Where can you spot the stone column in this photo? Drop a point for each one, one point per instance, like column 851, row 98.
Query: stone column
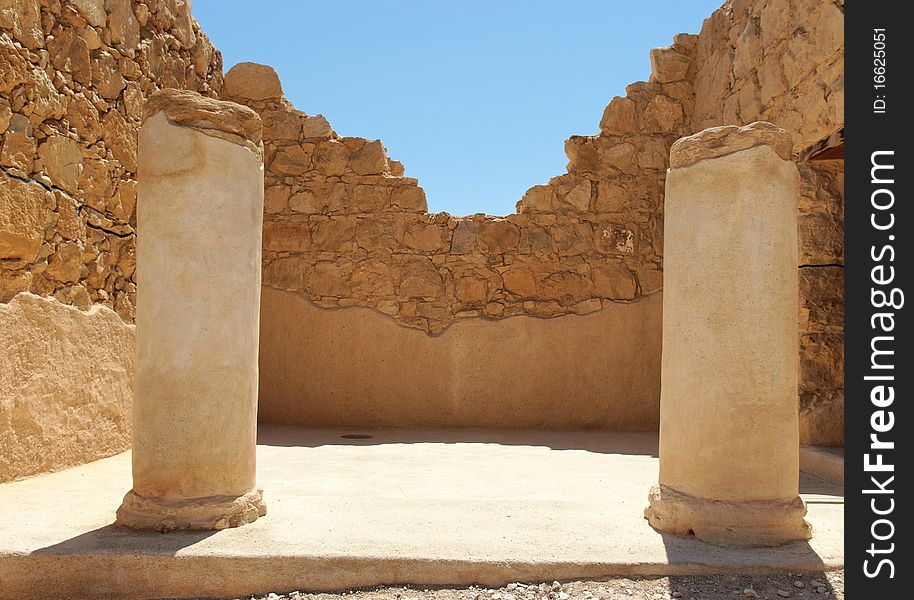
column 199, row 221
column 729, row 434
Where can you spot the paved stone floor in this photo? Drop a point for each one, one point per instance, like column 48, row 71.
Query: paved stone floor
column 400, row 507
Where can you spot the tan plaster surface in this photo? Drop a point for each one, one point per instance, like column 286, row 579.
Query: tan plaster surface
column 356, row 367
column 408, row 506
column 65, row 385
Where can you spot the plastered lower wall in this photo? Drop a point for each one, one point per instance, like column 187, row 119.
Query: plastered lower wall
column 358, row 368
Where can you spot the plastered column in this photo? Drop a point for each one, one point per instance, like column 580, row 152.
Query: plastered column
column 729, row 437
column 199, row 220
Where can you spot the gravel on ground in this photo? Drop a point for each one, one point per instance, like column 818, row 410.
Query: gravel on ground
column 794, row 586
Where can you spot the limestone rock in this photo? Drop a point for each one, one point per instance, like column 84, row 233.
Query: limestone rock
column 252, row 81
column 14, row 69
column 424, row 237
column 419, row 279
column 276, row 198
column 106, row 76
column 283, row 125
column 521, row 282
column 19, row 147
column 123, row 25
column 291, row 160
column 373, row 278
column 120, row 136
column 23, row 19
column 66, row 264
column 123, row 202
column 284, row 274
column 620, row 116
column 316, row 127
column 84, row 117
column 409, row 198
column 611, row 197
column 579, row 196
column 614, row 281
column 23, row 214
column 13, row 282
column 69, row 225
column 498, row 236
column 331, row 157
column 371, row 159
column 665, row 112
column 650, row 280
column 65, row 385
column 334, row 235
column 329, row 278
column 92, row 11
column 95, row 182
column 62, row 160
column 471, row 289
column 464, row 238
column 538, row 198
column 720, row 141
column 69, row 52
column 5, row 115
column 667, row 64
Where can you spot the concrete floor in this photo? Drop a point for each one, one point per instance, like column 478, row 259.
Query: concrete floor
column 420, row 507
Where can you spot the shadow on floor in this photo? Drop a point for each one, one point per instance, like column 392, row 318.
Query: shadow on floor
column 603, row 442
column 816, row 490
column 799, row 555
column 120, row 540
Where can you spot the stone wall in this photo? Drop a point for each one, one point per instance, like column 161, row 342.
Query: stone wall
column 783, row 61
column 772, row 60
column 821, row 229
column 74, row 77
column 344, row 227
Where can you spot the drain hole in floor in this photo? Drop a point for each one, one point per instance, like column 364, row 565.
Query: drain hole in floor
column 356, row 436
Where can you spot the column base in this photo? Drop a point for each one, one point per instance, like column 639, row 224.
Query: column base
column 749, row 523
column 211, row 513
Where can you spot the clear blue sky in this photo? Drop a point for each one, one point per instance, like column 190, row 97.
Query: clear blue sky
column 475, row 98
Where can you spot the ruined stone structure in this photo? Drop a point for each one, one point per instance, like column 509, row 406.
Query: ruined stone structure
column 343, row 228
column 375, row 312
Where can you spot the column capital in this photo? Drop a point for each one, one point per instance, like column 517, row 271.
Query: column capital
column 715, row 142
